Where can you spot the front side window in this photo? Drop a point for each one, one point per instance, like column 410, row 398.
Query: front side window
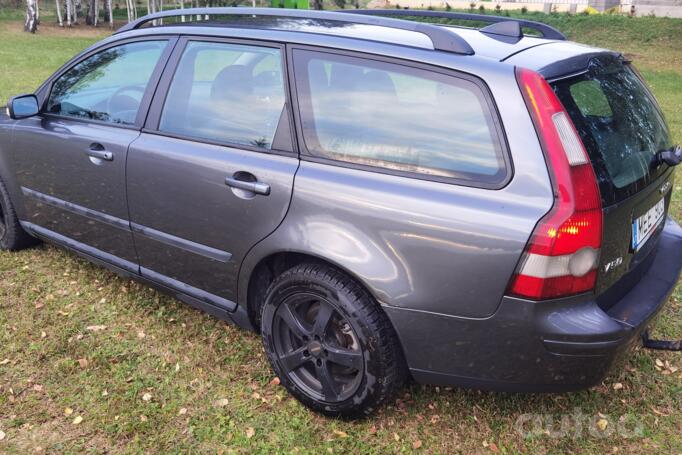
column 397, row 117
column 227, row 93
column 107, row 86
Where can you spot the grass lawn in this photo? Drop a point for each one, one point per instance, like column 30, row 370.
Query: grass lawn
column 90, row 362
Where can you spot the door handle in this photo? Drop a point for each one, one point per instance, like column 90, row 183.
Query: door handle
column 97, row 151
column 254, row 187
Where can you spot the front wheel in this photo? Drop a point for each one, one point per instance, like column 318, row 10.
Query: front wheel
column 12, row 235
column 329, row 342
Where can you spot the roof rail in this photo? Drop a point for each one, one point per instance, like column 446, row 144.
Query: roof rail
column 547, row 31
column 443, row 39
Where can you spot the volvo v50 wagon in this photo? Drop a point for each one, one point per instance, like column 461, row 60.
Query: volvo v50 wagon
column 380, row 198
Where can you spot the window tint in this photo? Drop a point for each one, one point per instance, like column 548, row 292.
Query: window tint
column 619, row 123
column 107, row 86
column 396, row 117
column 229, row 93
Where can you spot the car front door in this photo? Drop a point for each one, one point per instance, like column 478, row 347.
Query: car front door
column 212, row 172
column 70, row 160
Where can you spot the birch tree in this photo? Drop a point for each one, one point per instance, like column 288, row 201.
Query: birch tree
column 59, row 13
column 31, row 22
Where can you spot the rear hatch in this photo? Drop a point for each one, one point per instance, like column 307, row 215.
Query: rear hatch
column 623, row 130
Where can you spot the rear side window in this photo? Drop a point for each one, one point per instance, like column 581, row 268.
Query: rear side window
column 227, row 93
column 398, row 118
column 620, row 124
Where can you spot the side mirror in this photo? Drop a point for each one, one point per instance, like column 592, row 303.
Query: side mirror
column 23, row 106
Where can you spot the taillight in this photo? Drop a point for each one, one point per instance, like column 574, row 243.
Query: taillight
column 563, row 253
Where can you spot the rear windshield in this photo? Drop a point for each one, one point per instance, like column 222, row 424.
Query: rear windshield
column 620, row 124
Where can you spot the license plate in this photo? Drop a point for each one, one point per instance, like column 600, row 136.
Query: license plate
column 644, row 226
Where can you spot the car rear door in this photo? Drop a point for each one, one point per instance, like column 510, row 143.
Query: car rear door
column 213, row 171
column 70, row 160
column 624, row 131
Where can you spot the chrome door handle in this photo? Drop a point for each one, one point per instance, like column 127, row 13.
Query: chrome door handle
column 98, row 151
column 254, row 187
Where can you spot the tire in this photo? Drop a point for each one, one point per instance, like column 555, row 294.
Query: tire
column 345, row 367
column 12, row 235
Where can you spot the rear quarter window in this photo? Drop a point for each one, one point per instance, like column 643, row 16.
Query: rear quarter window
column 398, row 118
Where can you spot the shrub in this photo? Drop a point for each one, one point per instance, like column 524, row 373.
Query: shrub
column 591, row 11
column 524, row 10
column 498, row 8
column 481, row 9
column 448, row 7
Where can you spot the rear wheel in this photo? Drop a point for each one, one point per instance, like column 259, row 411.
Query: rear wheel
column 329, row 342
column 12, row 235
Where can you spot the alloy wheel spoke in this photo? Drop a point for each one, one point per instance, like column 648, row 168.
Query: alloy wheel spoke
column 324, row 315
column 344, row 357
column 293, row 322
column 294, row 359
column 329, row 387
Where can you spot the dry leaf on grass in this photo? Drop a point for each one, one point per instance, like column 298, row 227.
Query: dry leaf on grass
column 83, row 363
column 147, row 397
column 416, row 444
column 77, row 420
column 4, row 362
column 182, row 411
column 617, row 386
column 602, row 424
column 141, row 334
column 250, row 432
column 96, row 328
column 275, row 381
column 2, row 435
column 340, row 434
column 222, row 402
column 68, row 412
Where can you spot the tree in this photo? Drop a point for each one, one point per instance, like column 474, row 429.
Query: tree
column 31, row 23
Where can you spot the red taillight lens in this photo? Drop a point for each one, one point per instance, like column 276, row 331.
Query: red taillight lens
column 563, row 252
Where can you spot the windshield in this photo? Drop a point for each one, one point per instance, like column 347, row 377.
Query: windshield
column 620, row 124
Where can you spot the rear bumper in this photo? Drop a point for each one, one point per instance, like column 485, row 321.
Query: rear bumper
column 566, row 344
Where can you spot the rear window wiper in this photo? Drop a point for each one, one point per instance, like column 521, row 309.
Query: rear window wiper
column 671, row 156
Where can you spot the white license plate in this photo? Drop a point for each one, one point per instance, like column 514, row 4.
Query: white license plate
column 645, row 225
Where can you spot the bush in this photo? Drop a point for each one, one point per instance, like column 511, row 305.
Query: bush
column 448, row 7
column 481, row 9
column 591, row 11
column 524, row 10
column 498, row 8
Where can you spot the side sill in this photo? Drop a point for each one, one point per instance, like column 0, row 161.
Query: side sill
column 215, row 306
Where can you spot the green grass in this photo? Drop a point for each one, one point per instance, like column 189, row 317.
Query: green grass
column 186, row 360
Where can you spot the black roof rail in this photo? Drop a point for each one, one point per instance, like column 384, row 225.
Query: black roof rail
column 547, row 31
column 443, row 39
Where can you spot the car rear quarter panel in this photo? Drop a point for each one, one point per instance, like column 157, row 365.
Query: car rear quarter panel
column 418, row 244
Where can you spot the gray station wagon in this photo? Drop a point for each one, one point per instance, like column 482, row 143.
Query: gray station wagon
column 380, row 198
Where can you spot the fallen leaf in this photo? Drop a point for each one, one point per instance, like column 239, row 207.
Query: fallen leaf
column 250, row 432
column 493, row 447
column 77, row 420
column 105, row 393
column 38, row 388
column 4, row 362
column 340, row 434
column 182, row 411
column 96, row 328
column 141, row 334
column 39, row 306
column 602, row 424
column 396, row 437
column 2, row 435
column 416, row 444
column 617, row 386
column 143, row 418
column 275, row 381
column 43, row 334
column 68, row 412
column 659, row 363
column 83, row 363
column 103, row 301
column 177, row 367
column 147, row 396
column 222, row 402
column 255, row 396
column 372, row 430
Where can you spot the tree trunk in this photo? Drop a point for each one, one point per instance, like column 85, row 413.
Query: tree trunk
column 59, row 13
column 31, row 23
column 111, row 14
column 69, row 13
